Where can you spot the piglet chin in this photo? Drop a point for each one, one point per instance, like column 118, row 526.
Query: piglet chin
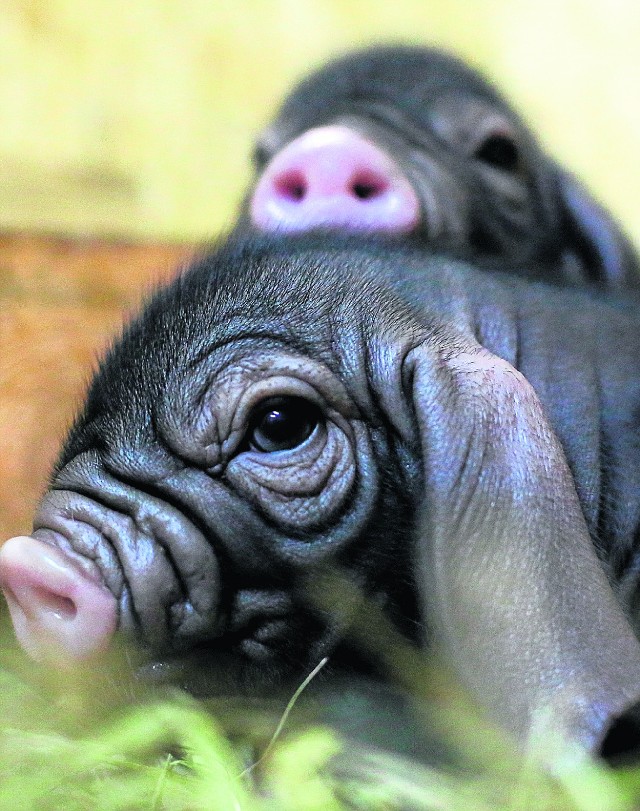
column 60, row 615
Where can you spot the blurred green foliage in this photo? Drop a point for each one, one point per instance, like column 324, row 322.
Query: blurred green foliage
column 97, row 739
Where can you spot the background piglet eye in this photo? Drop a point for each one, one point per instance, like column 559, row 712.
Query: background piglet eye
column 282, row 423
column 260, row 156
column 500, row 151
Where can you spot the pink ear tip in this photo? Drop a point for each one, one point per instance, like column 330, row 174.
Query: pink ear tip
column 60, row 613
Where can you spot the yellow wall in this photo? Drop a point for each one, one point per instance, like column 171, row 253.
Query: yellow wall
column 134, row 117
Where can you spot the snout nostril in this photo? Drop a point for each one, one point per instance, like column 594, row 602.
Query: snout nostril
column 61, row 607
column 291, row 185
column 367, row 186
column 332, row 177
column 622, row 741
column 61, row 613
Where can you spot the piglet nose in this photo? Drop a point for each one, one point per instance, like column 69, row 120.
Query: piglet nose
column 332, row 177
column 60, row 613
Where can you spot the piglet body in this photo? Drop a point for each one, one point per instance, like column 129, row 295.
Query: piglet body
column 462, row 447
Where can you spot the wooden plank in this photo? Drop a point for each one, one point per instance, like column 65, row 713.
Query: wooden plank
column 60, row 302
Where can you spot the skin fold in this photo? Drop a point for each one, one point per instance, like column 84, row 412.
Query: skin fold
column 458, row 447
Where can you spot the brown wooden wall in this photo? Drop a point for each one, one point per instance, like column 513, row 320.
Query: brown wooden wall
column 60, row 301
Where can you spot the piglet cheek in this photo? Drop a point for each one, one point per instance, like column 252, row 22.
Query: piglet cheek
column 61, row 615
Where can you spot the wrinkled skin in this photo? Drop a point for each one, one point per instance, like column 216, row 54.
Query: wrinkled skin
column 287, row 411
column 462, row 172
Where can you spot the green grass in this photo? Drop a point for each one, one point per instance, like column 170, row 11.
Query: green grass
column 97, row 739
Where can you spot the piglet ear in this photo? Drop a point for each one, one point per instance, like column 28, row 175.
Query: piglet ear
column 507, row 572
column 602, row 249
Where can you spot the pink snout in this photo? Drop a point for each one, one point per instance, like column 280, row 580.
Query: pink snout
column 60, row 613
column 332, row 177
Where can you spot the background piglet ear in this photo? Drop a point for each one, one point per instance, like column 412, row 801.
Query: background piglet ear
column 507, row 574
column 605, row 253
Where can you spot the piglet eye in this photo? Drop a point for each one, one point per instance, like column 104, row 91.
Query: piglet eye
column 282, row 423
column 260, row 156
column 499, row 151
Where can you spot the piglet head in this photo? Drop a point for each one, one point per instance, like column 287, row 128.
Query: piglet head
column 220, row 468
